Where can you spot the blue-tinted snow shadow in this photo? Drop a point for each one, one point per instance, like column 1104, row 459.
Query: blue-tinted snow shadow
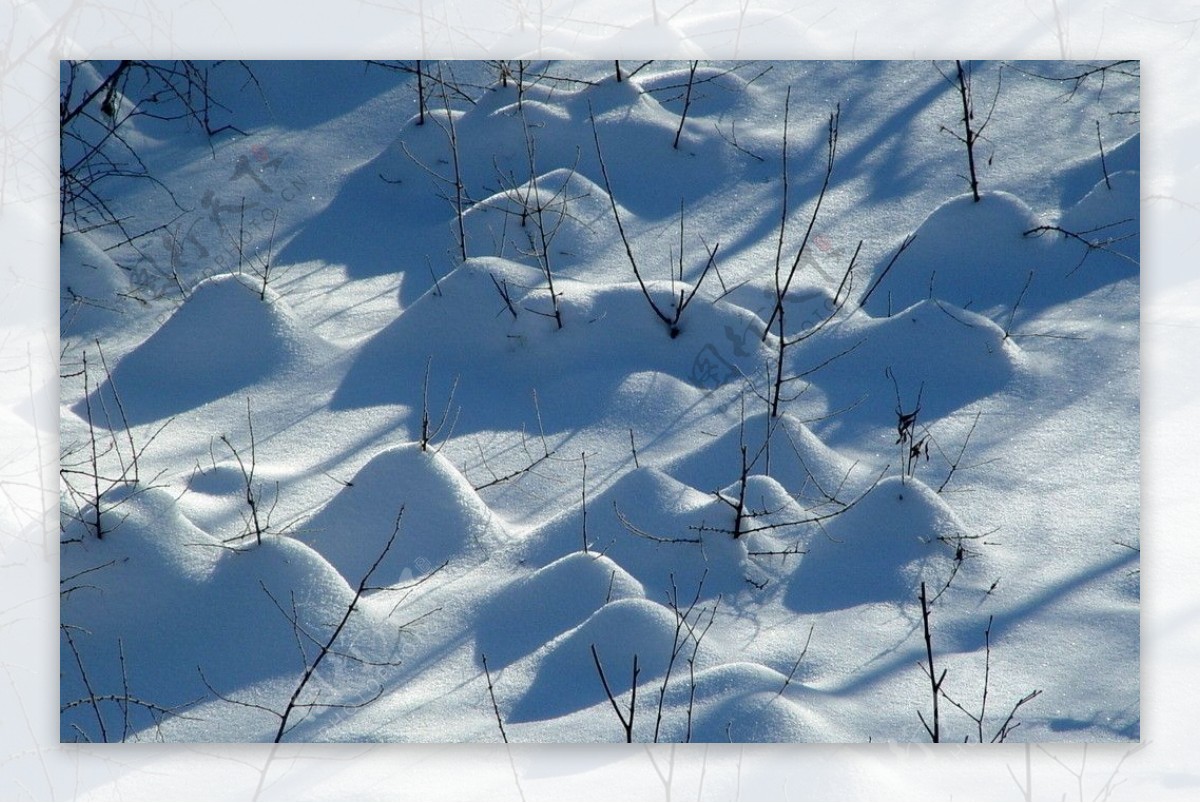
column 966, row 633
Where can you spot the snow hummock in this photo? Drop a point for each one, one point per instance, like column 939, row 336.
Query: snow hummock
column 441, row 517
column 521, row 621
column 972, row 254
column 899, row 535
column 565, row 678
column 743, row 702
column 225, row 337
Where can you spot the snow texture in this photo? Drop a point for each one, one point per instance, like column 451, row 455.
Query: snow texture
column 451, row 451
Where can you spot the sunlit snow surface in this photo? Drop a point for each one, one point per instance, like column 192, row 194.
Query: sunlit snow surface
column 573, row 514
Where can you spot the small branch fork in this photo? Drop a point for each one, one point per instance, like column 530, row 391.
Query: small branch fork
column 532, row 460
column 88, row 474
column 626, row 723
column 684, row 298
column 685, row 631
column 936, row 683
column 1103, row 243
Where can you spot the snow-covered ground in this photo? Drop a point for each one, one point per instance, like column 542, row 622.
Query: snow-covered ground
column 389, row 493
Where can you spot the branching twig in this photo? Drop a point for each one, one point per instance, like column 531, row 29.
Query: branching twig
column 86, row 470
column 1103, row 162
column 583, row 492
column 687, row 102
column 532, row 461
column 680, row 303
column 258, row 522
column 327, row 647
column 961, row 452
column 1098, row 244
column 627, row 724
column 430, row 431
column 683, row 631
column 296, row 702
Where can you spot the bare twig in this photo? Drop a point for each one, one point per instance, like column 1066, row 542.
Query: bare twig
column 1103, row 162
column 934, row 681
column 1013, row 313
column 92, row 699
column 492, row 694
column 258, row 522
column 294, row 701
column 683, row 631
column 627, row 724
column 429, row 430
column 583, row 457
column 795, row 666
column 783, row 285
column 1097, row 244
column 687, row 102
column 297, row 703
column 904, row 245
column 88, row 475
column 681, row 302
column 961, row 451
column 964, row 90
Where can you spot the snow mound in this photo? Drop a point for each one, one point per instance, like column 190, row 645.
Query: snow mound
column 1079, row 179
column 89, row 282
column 771, row 515
column 575, row 217
column 144, row 524
column 464, row 326
column 792, row 455
column 458, row 327
column 807, row 304
column 400, row 182
column 491, row 139
column 616, row 327
column 754, row 717
column 1109, row 215
column 624, row 99
column 879, row 550
column 226, row 477
column 714, row 91
column 464, row 316
column 223, row 339
column 502, row 123
column 741, row 702
column 770, row 523
column 172, row 598
column 645, row 523
column 533, row 610
column 1116, row 201
column 565, row 678
column 512, row 97
column 735, row 677
column 973, row 255
column 655, row 402
column 443, row 518
column 949, row 356
column 637, row 136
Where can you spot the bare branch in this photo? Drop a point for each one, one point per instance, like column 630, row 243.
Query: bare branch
column 627, row 724
column 492, row 694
